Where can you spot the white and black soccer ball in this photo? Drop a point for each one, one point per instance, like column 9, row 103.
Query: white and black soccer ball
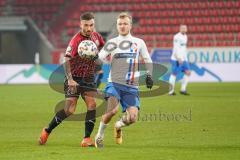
column 87, row 49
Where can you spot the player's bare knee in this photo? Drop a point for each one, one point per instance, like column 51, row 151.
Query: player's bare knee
column 113, row 112
column 70, row 110
column 70, row 107
column 68, row 113
column 91, row 106
column 132, row 118
column 188, row 73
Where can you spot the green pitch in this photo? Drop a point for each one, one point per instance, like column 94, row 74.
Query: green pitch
column 205, row 125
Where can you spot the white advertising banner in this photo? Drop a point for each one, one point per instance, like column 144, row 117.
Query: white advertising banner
column 220, row 64
column 205, row 72
column 215, row 64
column 23, row 74
column 214, row 55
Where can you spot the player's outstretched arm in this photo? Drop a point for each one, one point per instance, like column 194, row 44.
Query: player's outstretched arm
column 148, row 64
column 72, row 84
column 147, row 59
column 105, row 53
column 67, row 68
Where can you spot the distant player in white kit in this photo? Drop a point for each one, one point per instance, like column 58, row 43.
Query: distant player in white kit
column 124, row 53
column 179, row 61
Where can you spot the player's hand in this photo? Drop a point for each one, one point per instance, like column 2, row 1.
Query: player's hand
column 72, row 86
column 149, row 81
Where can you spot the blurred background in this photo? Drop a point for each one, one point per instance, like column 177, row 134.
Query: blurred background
column 35, row 33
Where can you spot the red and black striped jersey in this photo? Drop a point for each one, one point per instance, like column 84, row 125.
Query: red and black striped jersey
column 81, row 67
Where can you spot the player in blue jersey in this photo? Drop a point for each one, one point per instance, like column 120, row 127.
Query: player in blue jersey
column 179, row 61
column 123, row 53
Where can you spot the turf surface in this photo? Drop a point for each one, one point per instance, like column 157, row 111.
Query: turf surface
column 204, row 125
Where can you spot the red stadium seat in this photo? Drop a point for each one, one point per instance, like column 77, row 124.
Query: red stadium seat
column 238, row 37
column 205, row 19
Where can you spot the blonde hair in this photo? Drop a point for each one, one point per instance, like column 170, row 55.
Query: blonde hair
column 124, row 15
column 183, row 25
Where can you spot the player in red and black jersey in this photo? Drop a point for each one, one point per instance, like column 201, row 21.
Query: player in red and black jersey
column 80, row 80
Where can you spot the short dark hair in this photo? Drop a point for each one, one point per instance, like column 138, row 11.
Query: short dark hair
column 87, row 16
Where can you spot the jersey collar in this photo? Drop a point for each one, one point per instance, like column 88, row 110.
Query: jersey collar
column 125, row 37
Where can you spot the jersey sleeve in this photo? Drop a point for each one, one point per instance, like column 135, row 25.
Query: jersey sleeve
column 72, row 48
column 101, row 41
column 101, row 45
column 106, row 51
column 104, row 55
column 146, row 57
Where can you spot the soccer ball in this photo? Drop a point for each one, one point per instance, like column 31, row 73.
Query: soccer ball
column 87, row 49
